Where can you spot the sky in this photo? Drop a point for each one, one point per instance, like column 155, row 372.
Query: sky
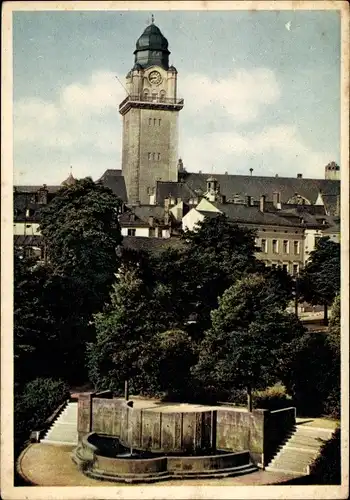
column 261, row 90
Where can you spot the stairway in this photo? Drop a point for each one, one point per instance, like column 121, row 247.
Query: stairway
column 64, row 428
column 300, row 450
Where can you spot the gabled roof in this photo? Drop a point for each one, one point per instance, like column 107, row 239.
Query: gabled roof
column 114, row 180
column 252, row 215
column 256, row 186
column 173, row 189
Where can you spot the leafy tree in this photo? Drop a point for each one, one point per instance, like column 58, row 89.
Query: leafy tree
column 123, row 332
column 81, row 233
column 171, row 356
column 320, row 279
column 244, row 348
column 311, row 374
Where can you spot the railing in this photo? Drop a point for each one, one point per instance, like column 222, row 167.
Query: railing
column 146, row 99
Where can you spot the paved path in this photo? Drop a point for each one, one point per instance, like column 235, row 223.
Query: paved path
column 46, row 465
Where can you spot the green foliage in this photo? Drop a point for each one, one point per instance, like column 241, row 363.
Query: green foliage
column 249, row 334
column 326, row 469
column 171, row 356
column 311, row 374
column 35, row 403
column 123, row 332
column 272, row 398
column 320, row 279
column 81, row 233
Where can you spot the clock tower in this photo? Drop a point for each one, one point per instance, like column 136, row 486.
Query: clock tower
column 150, row 118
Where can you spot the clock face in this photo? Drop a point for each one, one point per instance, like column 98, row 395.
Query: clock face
column 155, row 77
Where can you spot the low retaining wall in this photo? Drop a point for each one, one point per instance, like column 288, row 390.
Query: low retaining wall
column 259, row 431
column 278, row 425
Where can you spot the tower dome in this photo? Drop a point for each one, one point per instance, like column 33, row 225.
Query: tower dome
column 152, row 48
column 70, row 181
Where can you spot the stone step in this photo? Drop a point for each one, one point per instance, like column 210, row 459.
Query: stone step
column 314, row 430
column 270, row 468
column 59, row 443
column 307, row 440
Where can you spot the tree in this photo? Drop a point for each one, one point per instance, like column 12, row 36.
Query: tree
column 216, row 254
column 81, row 233
column 320, row 279
column 311, row 374
column 123, row 332
column 170, row 358
column 244, row 348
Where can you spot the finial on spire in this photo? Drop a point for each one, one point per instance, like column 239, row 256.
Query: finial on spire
column 152, row 18
column 71, row 169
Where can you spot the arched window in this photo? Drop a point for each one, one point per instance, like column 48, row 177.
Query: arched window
column 154, row 96
column 146, row 95
column 162, row 96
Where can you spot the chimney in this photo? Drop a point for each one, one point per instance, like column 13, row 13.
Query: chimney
column 262, row 203
column 299, row 176
column 276, row 200
column 251, row 171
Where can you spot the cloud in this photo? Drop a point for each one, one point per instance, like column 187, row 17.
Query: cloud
column 82, row 128
column 273, row 150
column 241, row 96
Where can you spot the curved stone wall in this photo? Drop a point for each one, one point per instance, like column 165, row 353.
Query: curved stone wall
column 88, row 457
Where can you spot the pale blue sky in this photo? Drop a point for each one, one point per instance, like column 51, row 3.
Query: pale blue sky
column 256, row 94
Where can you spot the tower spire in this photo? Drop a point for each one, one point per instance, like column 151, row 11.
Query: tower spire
column 152, row 19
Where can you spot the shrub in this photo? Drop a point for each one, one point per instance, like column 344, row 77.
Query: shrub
column 326, row 468
column 37, row 401
column 272, row 398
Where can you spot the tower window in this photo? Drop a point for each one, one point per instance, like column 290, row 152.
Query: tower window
column 154, row 121
column 149, row 121
column 150, row 156
column 154, row 156
column 154, row 96
column 159, row 121
column 158, row 156
column 162, row 96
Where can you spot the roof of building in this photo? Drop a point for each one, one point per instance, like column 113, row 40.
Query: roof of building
column 151, row 244
column 331, row 203
column 114, row 180
column 173, row 189
column 23, row 240
column 34, row 189
column 255, row 186
column 152, row 39
column 70, row 181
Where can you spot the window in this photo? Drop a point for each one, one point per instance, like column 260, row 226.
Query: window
column 285, row 267
column 162, row 96
column 154, row 156
column 295, row 269
column 154, row 121
column 263, row 246
column 154, row 96
column 131, row 232
column 158, row 156
column 152, row 232
column 149, row 121
column 296, row 248
column 274, row 246
column 285, row 246
column 159, row 121
column 317, row 238
column 150, row 156
column 273, row 266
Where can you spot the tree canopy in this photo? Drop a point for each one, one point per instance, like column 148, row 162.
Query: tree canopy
column 81, row 233
column 320, row 279
column 244, row 348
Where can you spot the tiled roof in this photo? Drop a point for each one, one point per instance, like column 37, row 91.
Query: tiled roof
column 22, row 240
column 150, row 244
column 256, row 186
column 34, row 189
column 173, row 189
column 115, row 181
column 331, row 203
column 252, row 215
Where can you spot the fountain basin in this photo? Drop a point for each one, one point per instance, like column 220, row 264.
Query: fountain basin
column 94, row 456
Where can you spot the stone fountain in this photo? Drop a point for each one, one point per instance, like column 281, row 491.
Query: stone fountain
column 121, row 442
